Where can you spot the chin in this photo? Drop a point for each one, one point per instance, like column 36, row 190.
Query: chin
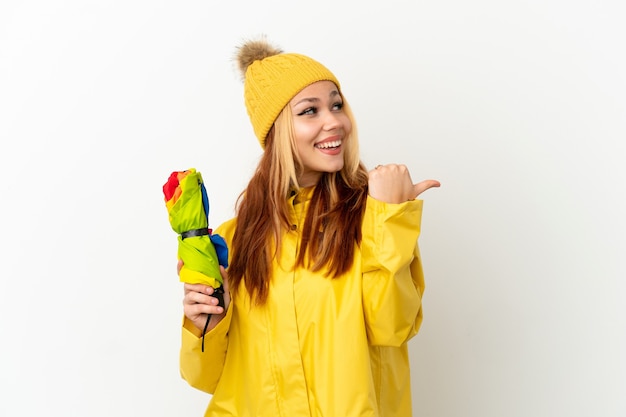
column 335, row 169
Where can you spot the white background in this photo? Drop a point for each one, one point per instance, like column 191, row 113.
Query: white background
column 517, row 107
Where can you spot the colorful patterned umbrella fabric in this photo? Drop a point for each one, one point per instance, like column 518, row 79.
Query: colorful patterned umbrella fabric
column 188, row 207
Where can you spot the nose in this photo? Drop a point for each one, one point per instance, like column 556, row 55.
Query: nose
column 331, row 121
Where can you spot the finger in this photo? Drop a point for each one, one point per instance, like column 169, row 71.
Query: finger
column 200, row 309
column 224, row 274
column 201, row 288
column 196, row 298
column 179, row 266
column 380, row 168
column 420, row 187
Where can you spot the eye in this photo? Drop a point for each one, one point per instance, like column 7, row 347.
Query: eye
column 338, row 106
column 309, row 110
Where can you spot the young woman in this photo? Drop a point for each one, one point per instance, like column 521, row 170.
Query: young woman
column 325, row 282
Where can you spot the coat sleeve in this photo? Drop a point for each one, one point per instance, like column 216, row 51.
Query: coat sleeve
column 393, row 281
column 202, row 370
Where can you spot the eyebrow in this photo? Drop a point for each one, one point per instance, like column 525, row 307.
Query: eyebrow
column 333, row 94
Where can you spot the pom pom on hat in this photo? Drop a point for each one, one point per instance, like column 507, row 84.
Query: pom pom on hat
column 254, row 50
column 272, row 78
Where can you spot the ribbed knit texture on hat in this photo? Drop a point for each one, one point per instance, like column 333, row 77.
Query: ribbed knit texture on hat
column 272, row 82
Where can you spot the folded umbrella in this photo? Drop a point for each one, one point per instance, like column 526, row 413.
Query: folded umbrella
column 201, row 251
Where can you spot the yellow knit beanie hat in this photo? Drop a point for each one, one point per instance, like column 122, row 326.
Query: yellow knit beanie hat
column 272, row 78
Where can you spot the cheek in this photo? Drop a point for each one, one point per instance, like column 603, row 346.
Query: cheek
column 345, row 123
column 347, row 126
column 304, row 132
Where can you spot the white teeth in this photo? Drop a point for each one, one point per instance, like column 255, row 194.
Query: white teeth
column 327, row 145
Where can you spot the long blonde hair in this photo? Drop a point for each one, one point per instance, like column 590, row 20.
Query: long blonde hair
column 336, row 208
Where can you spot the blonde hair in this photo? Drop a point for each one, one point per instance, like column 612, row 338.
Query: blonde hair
column 336, row 207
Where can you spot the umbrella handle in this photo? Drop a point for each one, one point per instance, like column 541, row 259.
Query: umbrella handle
column 219, row 294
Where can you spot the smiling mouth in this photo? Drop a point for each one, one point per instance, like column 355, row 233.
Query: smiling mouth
column 329, row 145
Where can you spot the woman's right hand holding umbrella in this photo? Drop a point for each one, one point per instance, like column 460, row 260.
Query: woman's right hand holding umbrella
column 198, row 302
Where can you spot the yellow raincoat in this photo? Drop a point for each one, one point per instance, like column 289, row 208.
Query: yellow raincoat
column 320, row 347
